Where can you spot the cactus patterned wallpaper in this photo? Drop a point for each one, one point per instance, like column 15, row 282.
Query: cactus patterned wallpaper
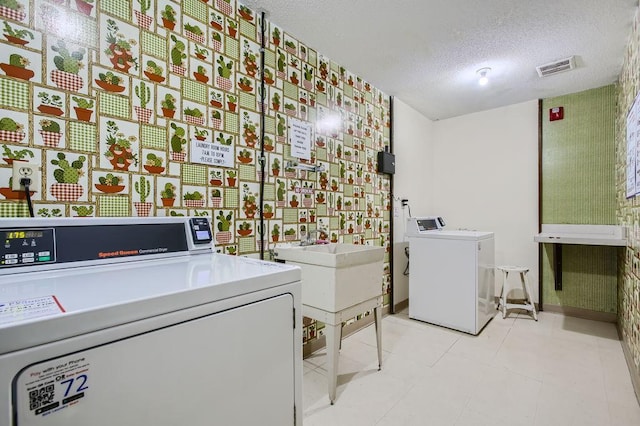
column 108, row 95
column 628, row 210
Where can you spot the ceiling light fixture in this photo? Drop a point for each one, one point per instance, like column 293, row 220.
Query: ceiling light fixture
column 482, row 76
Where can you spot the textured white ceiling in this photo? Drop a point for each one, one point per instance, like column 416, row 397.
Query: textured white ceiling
column 426, row 52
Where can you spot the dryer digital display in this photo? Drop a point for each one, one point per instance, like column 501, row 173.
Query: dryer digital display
column 27, row 247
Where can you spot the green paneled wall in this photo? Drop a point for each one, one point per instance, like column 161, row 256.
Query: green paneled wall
column 578, row 187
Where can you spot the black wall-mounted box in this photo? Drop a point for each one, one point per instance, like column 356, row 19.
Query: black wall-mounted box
column 386, row 162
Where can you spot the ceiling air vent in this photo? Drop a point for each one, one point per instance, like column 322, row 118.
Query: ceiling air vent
column 556, row 67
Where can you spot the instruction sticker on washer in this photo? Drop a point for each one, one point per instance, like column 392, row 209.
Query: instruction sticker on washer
column 25, row 309
column 51, row 386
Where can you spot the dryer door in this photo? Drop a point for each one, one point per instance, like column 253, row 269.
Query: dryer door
column 235, row 367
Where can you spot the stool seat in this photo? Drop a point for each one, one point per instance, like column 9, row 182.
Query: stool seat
column 528, row 301
column 509, row 268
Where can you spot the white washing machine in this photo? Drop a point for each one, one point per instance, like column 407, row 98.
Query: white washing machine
column 136, row 322
column 451, row 275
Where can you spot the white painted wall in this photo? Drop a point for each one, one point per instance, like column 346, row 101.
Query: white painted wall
column 478, row 171
column 486, row 178
column 412, row 146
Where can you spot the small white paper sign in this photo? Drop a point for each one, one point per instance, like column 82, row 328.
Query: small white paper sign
column 211, row 153
column 26, row 309
column 300, row 138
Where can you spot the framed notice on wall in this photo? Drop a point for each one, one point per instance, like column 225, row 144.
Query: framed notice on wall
column 633, row 147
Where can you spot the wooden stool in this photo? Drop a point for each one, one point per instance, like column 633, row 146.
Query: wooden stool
column 528, row 301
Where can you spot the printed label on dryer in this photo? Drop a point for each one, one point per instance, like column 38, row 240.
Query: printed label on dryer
column 52, row 386
column 25, row 309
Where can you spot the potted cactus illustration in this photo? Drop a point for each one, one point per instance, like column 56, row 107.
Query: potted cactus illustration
column 120, row 152
column 11, row 9
column 275, row 167
column 249, row 60
column 178, row 141
column 46, row 213
column 143, row 188
column 275, row 102
column 84, row 6
column 216, row 99
column 153, row 163
column 50, row 132
column 267, row 211
column 193, row 116
column 275, row 233
column 16, row 36
column 83, row 211
column 67, row 176
column 10, row 131
column 168, row 106
column 109, row 184
column 154, row 72
column 200, row 134
column 245, row 13
column 245, row 229
column 143, row 19
column 280, row 193
column 168, row 195
column 144, row 94
column 194, row 33
column 178, row 56
column 200, row 74
column 50, row 104
column 201, row 53
column 275, row 36
column 268, row 76
column 290, row 234
column 119, row 52
column 168, row 16
column 249, row 133
column 110, row 82
column 17, row 67
column 216, row 21
column 294, row 201
column 223, row 79
column 193, row 199
column 9, row 155
column 245, row 84
column 216, row 178
column 249, row 206
column 232, row 28
column 216, row 119
column 223, row 236
column 222, row 141
column 268, row 143
column 83, row 109
column 231, row 178
column 216, row 197
column 232, row 102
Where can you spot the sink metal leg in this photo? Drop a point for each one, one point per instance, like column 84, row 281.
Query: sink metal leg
column 332, row 333
column 377, row 312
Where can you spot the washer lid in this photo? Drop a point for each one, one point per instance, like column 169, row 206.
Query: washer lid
column 454, row 235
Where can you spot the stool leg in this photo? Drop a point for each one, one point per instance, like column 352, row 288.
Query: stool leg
column 332, row 333
column 501, row 292
column 527, row 294
column 503, row 297
column 377, row 312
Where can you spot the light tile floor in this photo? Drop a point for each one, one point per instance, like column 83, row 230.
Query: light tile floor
column 557, row 371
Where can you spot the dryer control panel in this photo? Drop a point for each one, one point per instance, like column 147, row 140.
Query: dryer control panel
column 420, row 225
column 27, row 247
column 54, row 243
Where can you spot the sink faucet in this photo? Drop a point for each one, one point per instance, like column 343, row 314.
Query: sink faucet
column 310, row 241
